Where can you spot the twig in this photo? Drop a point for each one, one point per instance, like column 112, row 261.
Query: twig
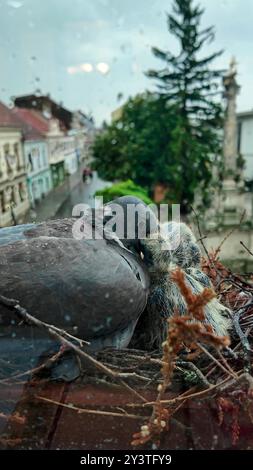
column 13, row 305
column 228, row 235
column 215, row 360
column 195, row 369
column 45, row 364
column 185, row 397
column 243, row 338
column 201, row 235
column 88, row 411
column 226, row 364
column 246, row 248
column 202, row 238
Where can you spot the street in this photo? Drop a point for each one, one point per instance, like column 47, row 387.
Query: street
column 60, row 202
column 81, row 193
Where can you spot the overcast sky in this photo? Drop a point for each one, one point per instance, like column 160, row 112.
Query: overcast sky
column 86, row 52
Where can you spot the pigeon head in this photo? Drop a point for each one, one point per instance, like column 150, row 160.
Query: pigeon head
column 137, row 220
column 185, row 251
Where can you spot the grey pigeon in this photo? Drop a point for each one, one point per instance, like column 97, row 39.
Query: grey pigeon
column 94, row 289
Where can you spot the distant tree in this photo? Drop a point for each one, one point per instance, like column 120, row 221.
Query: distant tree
column 137, row 145
column 188, row 83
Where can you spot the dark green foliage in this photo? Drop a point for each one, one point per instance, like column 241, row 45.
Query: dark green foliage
column 188, row 82
column 138, row 145
column 125, row 188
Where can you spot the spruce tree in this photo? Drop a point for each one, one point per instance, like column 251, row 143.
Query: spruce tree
column 188, row 82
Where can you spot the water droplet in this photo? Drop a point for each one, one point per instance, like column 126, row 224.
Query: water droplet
column 14, row 4
column 86, row 67
column 103, row 68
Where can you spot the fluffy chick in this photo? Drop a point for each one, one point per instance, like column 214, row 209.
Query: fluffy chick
column 175, row 246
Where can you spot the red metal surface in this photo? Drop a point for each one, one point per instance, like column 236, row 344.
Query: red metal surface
column 49, row 426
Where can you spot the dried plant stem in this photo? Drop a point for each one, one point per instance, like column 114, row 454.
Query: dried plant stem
column 15, row 418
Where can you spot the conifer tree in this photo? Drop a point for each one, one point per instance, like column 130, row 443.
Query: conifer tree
column 188, row 83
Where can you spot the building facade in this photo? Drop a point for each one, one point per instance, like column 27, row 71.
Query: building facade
column 62, row 154
column 245, row 142
column 70, row 154
column 77, row 127
column 83, row 129
column 39, row 179
column 14, row 201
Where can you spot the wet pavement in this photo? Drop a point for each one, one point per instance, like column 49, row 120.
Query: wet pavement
column 82, row 193
column 60, row 202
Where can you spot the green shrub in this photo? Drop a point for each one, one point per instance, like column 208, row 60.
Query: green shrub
column 124, row 188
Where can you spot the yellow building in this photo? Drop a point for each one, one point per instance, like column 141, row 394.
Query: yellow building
column 117, row 113
column 14, row 202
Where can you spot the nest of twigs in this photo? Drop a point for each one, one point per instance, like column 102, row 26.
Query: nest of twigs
column 194, row 363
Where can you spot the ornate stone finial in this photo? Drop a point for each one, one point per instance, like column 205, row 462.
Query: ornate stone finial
column 233, row 66
column 229, row 79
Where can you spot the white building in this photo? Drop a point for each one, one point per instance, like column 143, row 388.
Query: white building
column 70, row 154
column 39, row 180
column 70, row 134
column 62, row 149
column 83, row 129
column 245, row 142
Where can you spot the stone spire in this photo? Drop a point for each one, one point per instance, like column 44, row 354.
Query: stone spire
column 230, row 202
column 231, row 90
column 230, row 215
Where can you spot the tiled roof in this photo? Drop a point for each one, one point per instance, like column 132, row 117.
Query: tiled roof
column 34, row 125
column 36, row 102
column 6, row 117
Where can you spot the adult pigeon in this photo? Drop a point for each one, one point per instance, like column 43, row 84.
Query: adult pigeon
column 95, row 289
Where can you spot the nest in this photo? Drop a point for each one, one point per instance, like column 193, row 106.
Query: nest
column 193, row 363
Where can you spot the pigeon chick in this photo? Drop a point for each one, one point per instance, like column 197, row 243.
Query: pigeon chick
column 174, row 247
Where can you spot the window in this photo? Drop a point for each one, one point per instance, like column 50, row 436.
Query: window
column 239, row 136
column 6, row 149
column 30, row 162
column 119, row 98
